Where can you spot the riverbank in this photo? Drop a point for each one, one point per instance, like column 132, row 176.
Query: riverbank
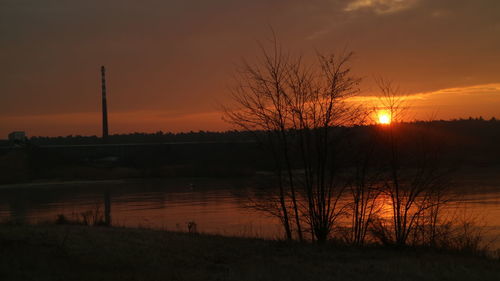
column 51, row 252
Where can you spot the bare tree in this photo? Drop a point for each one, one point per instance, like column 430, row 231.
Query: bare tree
column 364, row 188
column 303, row 109
column 414, row 182
column 261, row 102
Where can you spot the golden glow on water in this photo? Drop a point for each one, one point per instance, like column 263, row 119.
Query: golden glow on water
column 215, row 206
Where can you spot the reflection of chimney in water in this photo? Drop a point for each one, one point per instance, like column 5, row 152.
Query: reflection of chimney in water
column 104, row 106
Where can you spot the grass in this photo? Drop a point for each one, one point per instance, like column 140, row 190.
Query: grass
column 69, row 252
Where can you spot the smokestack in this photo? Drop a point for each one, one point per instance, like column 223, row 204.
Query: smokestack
column 104, row 106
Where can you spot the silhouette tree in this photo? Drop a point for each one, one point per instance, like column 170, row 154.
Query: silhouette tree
column 414, row 183
column 303, row 109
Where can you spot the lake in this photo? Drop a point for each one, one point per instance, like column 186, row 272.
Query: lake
column 214, row 205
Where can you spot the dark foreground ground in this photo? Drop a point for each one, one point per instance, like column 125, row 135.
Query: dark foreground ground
column 94, row 253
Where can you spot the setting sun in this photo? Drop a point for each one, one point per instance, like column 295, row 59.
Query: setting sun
column 384, row 118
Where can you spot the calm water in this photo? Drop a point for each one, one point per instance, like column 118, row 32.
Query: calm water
column 216, row 206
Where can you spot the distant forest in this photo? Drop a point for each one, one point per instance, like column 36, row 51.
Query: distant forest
column 471, row 142
column 471, row 128
column 137, row 138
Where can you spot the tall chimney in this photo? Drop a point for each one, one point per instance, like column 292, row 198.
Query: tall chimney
column 104, row 106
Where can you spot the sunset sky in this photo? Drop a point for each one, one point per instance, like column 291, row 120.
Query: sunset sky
column 170, row 62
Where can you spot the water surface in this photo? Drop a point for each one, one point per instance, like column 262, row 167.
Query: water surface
column 214, row 205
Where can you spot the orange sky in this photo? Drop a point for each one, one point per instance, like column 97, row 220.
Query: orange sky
column 170, row 63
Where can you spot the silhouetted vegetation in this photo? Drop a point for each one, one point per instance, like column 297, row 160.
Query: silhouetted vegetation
column 469, row 142
column 150, row 138
column 470, row 130
column 321, row 151
column 84, row 253
column 297, row 105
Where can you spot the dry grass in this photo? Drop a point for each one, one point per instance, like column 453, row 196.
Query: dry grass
column 98, row 253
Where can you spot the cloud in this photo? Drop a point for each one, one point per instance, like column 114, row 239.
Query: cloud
column 458, row 102
column 380, row 6
column 492, row 90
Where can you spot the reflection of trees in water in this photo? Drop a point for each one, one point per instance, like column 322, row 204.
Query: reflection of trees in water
column 214, row 205
column 26, row 203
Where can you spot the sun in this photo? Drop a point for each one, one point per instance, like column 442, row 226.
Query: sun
column 384, row 118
